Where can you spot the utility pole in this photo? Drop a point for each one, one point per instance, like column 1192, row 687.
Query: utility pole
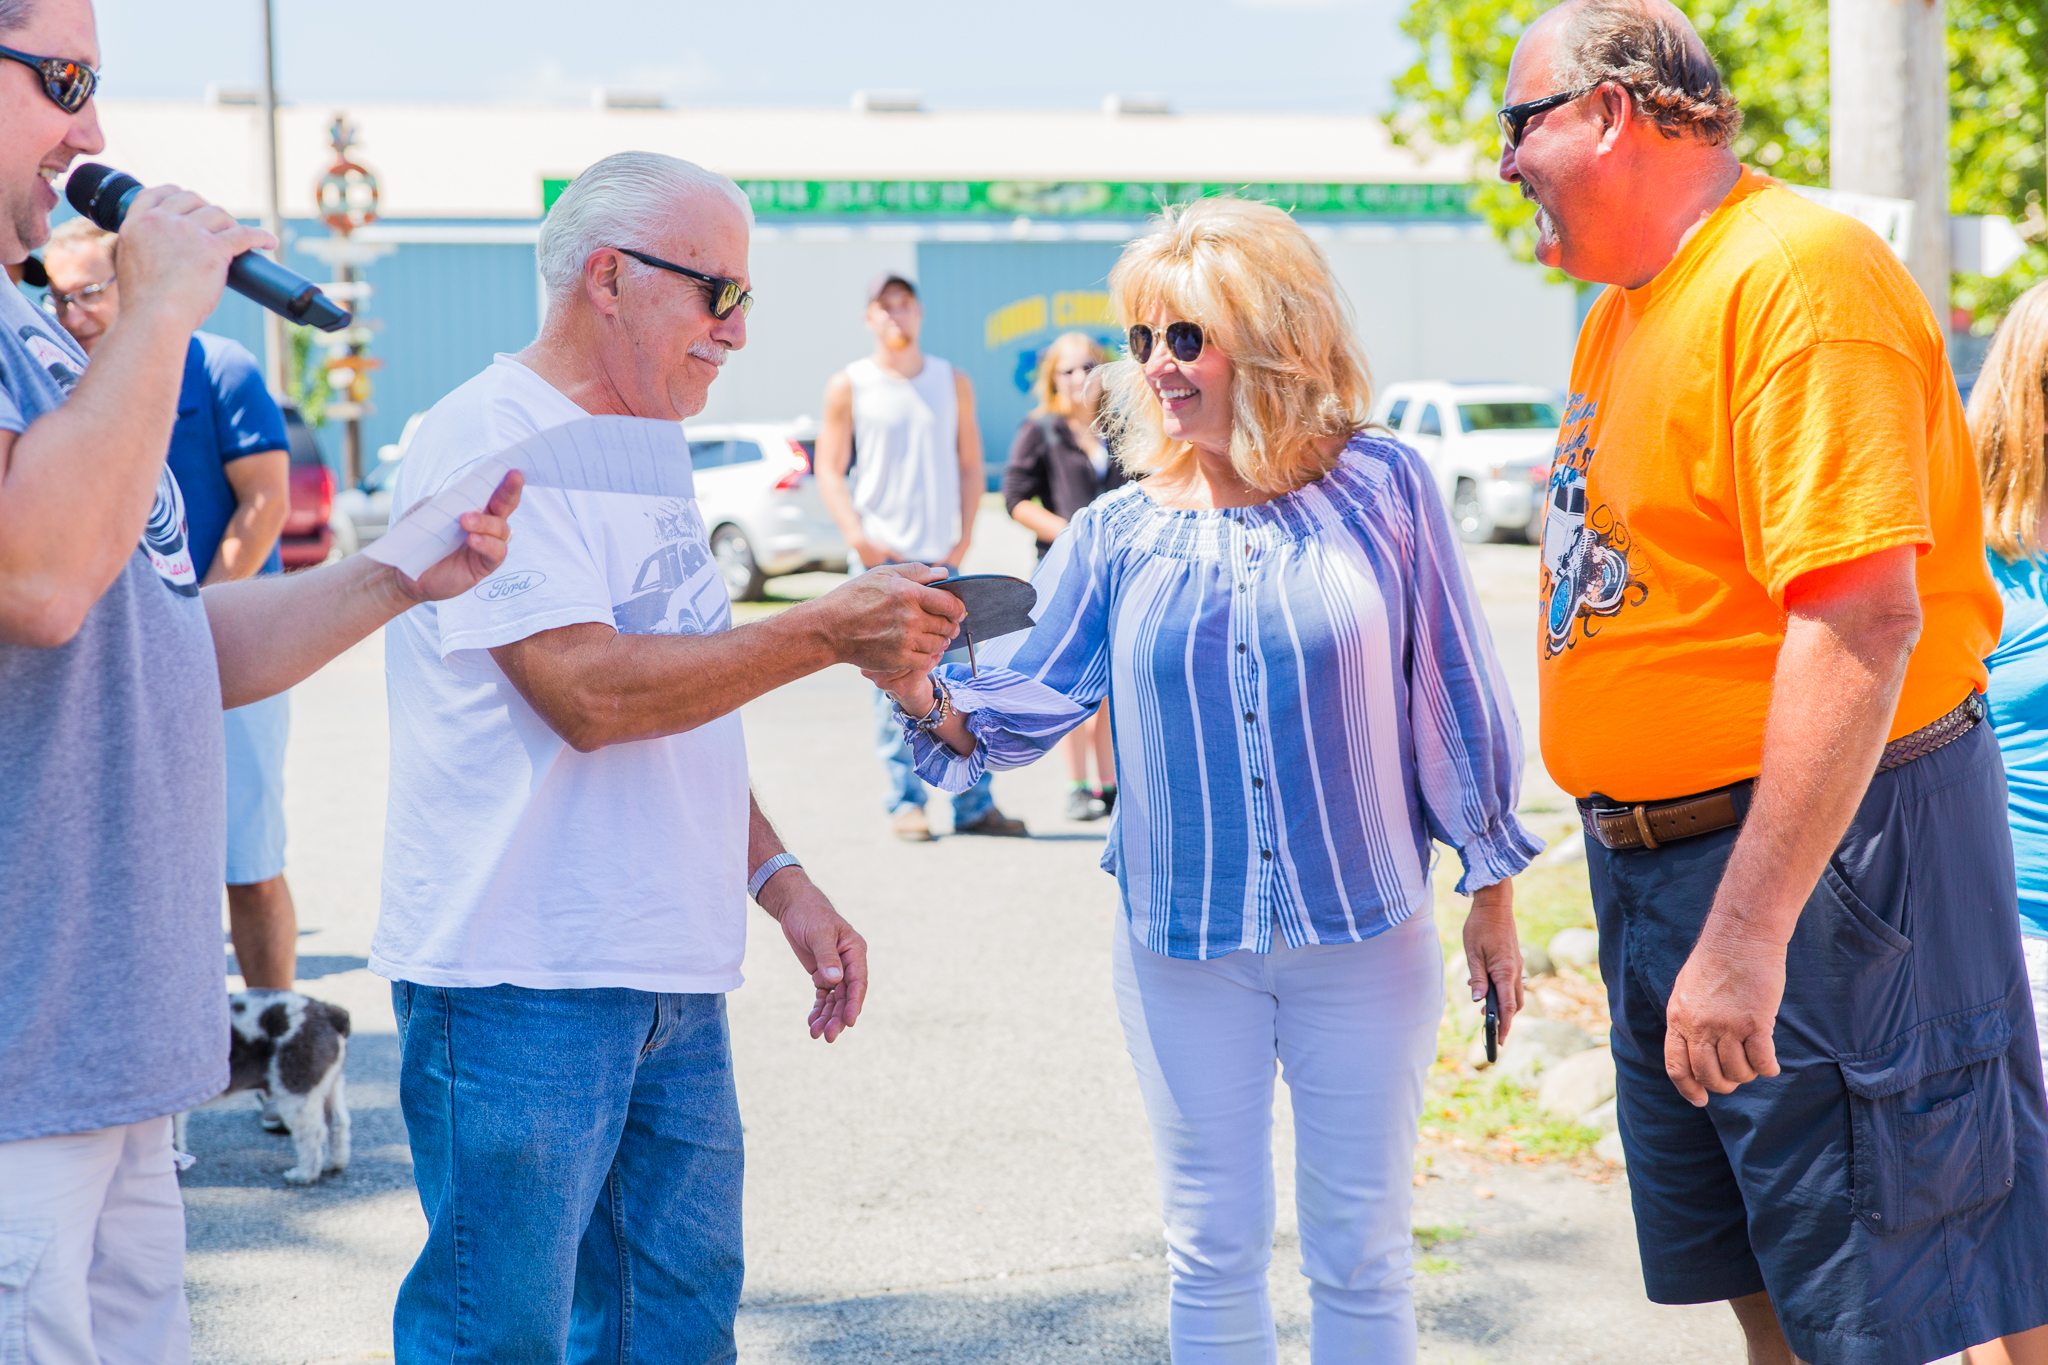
column 276, row 351
column 1888, row 121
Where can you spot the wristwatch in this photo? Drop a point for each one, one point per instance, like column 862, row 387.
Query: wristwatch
column 767, row 870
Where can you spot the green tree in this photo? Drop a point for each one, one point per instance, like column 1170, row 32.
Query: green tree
column 1774, row 56
column 305, row 380
column 1998, row 78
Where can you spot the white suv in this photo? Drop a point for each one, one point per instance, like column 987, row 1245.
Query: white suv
column 1489, row 446
column 760, row 502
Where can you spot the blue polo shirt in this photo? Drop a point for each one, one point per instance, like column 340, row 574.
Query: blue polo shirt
column 2018, row 695
column 224, row 414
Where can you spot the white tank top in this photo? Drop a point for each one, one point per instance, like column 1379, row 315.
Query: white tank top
column 906, row 473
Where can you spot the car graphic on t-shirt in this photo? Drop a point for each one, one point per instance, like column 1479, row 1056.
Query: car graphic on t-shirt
column 678, row 591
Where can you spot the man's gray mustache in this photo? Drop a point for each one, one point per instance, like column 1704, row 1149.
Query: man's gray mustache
column 705, row 350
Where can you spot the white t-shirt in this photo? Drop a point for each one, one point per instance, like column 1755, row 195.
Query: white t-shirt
column 509, row 858
column 906, row 464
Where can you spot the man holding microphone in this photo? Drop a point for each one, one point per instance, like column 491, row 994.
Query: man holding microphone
column 111, row 664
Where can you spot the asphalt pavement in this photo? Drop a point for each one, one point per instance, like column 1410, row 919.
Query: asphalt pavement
column 966, row 1175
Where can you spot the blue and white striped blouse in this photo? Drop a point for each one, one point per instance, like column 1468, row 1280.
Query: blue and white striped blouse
column 1302, row 694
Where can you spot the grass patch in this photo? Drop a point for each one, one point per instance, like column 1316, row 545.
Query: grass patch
column 1430, row 1236
column 1493, row 1115
column 1434, row 1265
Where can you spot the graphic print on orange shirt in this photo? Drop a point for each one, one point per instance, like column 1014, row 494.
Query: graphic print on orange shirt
column 1585, row 573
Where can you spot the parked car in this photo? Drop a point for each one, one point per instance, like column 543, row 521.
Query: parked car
column 1489, row 446
column 367, row 508
column 760, row 502
column 308, row 537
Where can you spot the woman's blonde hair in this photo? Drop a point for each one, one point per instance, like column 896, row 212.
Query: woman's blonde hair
column 1262, row 292
column 2009, row 427
column 1045, row 386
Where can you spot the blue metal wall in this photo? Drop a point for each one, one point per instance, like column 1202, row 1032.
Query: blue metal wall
column 441, row 312
column 980, row 301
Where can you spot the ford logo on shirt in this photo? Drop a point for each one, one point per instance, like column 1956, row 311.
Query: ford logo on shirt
column 509, row 585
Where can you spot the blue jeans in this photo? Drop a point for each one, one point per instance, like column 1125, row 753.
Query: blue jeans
column 906, row 788
column 577, row 1154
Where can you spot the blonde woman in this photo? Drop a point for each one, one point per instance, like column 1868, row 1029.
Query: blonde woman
column 2008, row 425
column 1306, row 697
column 1059, row 463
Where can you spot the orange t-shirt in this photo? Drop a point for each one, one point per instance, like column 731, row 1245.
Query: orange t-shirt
column 1776, row 400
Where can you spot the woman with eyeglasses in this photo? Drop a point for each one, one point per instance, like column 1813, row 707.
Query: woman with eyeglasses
column 1306, row 697
column 1059, row 463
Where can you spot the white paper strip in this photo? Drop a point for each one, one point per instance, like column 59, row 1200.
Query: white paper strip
column 590, row 454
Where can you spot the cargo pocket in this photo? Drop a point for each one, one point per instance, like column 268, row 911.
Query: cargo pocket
column 1930, row 1121
column 21, row 1250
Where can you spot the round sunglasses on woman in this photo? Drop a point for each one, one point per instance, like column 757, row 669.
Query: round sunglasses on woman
column 1183, row 341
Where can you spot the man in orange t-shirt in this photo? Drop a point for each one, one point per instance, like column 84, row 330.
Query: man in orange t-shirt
column 1765, row 614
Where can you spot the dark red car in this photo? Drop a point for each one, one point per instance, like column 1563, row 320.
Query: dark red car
column 307, row 538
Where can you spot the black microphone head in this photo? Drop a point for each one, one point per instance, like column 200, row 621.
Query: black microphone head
column 101, row 193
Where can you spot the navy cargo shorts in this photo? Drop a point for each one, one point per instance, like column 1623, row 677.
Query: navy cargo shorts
column 1889, row 1186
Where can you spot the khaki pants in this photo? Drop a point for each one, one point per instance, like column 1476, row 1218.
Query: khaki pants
column 92, row 1249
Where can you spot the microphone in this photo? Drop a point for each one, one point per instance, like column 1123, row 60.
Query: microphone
column 103, row 194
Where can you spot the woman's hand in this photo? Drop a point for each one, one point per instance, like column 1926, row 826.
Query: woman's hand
column 1493, row 949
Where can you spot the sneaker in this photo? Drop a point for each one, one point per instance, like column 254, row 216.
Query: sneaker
column 1083, row 804
column 993, row 821
column 911, row 826
column 1107, row 796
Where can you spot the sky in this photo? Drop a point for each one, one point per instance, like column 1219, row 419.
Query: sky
column 1332, row 56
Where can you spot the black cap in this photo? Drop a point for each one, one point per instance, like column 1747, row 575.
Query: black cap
column 887, row 278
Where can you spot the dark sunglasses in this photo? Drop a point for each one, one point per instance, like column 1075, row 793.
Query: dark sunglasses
column 1183, row 340
column 724, row 295
column 1515, row 117
column 68, row 84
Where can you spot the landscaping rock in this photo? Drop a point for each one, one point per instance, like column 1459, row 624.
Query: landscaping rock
column 1577, row 1084
column 1536, row 961
column 1570, row 849
column 1576, row 947
column 1608, row 1149
column 1536, row 1044
column 1601, row 1120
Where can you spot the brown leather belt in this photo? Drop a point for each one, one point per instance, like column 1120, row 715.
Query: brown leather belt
column 1656, row 823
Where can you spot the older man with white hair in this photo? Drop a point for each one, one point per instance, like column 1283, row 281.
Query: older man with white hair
column 571, row 839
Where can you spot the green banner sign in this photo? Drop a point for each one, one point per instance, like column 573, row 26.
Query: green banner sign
column 1090, row 198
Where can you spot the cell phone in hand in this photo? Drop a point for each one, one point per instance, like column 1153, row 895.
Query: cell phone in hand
column 1492, row 1022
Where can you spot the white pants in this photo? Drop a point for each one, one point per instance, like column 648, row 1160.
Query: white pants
column 92, row 1249
column 1353, row 1026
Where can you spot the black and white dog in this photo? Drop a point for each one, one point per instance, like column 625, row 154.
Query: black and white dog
column 291, row 1048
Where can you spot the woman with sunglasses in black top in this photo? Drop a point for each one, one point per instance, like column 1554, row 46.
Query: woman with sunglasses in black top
column 1059, row 463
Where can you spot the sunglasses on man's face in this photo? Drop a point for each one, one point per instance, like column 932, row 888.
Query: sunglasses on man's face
column 68, row 84
column 1183, row 341
column 722, row 294
column 1515, row 117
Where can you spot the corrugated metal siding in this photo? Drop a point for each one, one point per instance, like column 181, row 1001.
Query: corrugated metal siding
column 990, row 308
column 441, row 313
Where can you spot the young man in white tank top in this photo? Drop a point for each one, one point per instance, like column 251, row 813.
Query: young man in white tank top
column 911, row 499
